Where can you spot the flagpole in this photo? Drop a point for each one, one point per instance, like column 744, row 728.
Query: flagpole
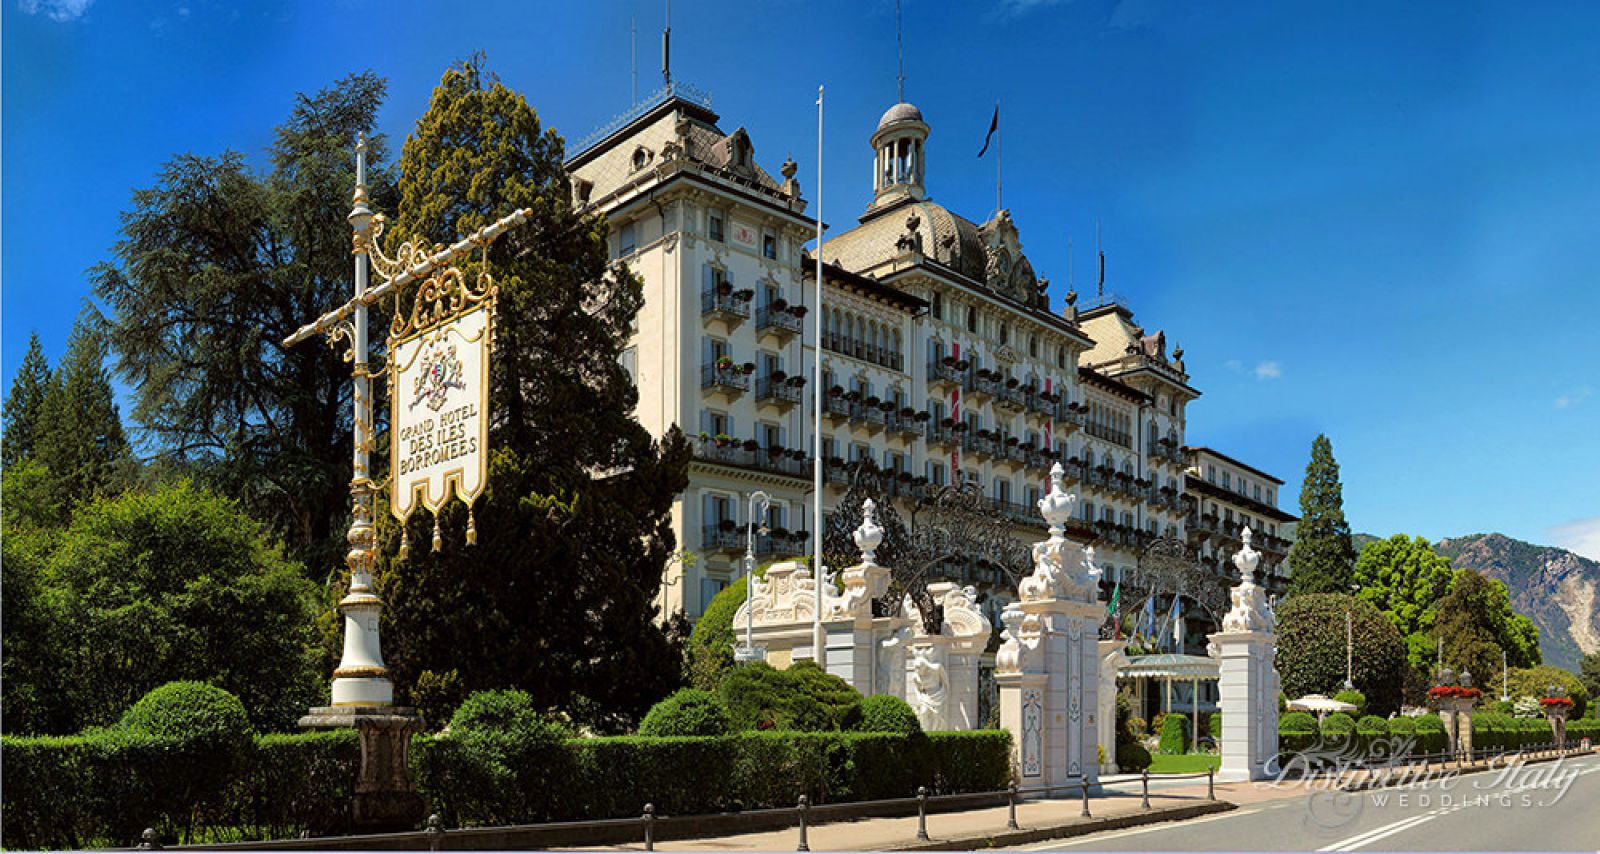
column 999, row 152
column 819, row 646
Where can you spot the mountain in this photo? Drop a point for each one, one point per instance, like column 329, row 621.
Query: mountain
column 1558, row 590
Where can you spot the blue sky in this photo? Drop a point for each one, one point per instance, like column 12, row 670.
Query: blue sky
column 1374, row 220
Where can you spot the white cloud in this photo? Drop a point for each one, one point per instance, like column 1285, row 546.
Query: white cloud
column 1268, row 371
column 1234, row 365
column 1573, row 399
column 1015, row 8
column 56, row 10
column 1580, row 536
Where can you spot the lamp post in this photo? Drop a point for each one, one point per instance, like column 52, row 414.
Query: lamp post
column 1349, row 645
column 748, row 651
column 1505, row 678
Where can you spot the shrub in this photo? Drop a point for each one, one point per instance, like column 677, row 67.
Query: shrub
column 838, row 698
column 1297, row 722
column 687, row 712
column 1174, row 734
column 1311, row 649
column 1401, row 726
column 1125, row 720
column 710, row 648
column 1214, row 726
column 203, row 735
column 760, row 697
column 299, row 783
column 1354, row 698
column 1536, row 681
column 508, row 761
column 1338, row 723
column 1372, row 726
column 887, row 713
column 192, row 712
column 1132, row 757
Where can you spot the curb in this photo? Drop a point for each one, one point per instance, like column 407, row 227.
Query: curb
column 1065, row 830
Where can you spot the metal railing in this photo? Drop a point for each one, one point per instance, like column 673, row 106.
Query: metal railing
column 782, row 320
column 779, row 390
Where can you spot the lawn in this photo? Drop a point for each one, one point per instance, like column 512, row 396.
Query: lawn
column 1186, row 764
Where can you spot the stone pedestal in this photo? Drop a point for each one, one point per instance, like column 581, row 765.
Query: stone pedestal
column 1248, row 681
column 1557, row 716
column 1112, row 659
column 1456, row 712
column 386, row 797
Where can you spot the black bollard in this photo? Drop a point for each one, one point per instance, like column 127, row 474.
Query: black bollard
column 805, row 804
column 922, row 813
column 1011, row 804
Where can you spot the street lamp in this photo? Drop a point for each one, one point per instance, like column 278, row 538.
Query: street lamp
column 1505, row 678
column 748, row 651
column 1349, row 644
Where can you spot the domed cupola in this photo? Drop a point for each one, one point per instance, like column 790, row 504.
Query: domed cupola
column 897, row 147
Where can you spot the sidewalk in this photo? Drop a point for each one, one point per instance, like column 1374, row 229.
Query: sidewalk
column 1038, row 820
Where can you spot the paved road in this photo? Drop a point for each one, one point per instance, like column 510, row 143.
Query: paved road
column 1549, row 806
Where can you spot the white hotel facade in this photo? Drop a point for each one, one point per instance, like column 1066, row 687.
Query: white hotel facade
column 942, row 356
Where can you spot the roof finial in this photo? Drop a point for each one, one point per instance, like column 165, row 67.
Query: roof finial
column 900, row 45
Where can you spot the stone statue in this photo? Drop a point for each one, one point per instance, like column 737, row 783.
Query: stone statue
column 929, row 688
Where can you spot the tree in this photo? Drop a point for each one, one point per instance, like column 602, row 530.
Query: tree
column 1475, row 623
column 216, row 265
column 1321, row 558
column 172, row 585
column 1536, row 682
column 79, row 437
column 25, row 404
column 1589, row 674
column 1405, row 577
column 1312, row 648
column 557, row 597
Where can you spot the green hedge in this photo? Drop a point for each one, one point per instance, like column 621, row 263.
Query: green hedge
column 615, row 777
column 1174, row 734
column 104, row 787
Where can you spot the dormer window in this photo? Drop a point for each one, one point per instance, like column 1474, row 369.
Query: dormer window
column 1033, row 346
column 714, row 230
column 641, row 158
column 582, row 189
column 938, row 306
column 769, row 246
column 1005, row 334
column 972, row 319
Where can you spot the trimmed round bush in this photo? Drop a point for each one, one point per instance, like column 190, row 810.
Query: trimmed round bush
column 1338, row 723
column 1428, row 723
column 1354, row 698
column 1174, row 734
column 1311, row 649
column 192, row 712
column 1372, row 725
column 508, row 759
column 1132, row 757
column 761, row 697
column 838, row 698
column 1297, row 722
column 887, row 713
column 1402, row 726
column 1214, row 726
column 687, row 712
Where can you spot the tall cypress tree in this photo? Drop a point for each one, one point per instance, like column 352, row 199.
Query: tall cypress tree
column 1323, row 557
column 574, row 529
column 80, row 439
column 25, row 403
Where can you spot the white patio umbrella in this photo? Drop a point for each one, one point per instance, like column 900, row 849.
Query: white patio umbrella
column 1320, row 704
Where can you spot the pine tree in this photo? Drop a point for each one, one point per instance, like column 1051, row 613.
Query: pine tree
column 1323, row 557
column 575, row 527
column 25, row 403
column 80, row 439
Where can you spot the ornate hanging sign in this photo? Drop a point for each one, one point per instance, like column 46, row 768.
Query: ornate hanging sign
column 439, row 392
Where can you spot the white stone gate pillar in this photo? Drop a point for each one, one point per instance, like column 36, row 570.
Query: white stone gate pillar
column 1111, row 660
column 1048, row 668
column 1249, row 681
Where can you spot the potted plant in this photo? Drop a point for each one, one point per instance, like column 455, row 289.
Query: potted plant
column 959, row 427
column 724, row 287
column 779, row 376
column 751, row 444
column 704, row 436
column 853, row 396
column 796, row 382
column 744, row 295
column 887, row 406
column 872, row 401
column 904, row 477
column 724, row 363
column 962, row 365
column 775, row 451
column 798, row 310
column 748, row 368
column 1011, row 382
column 836, row 391
column 727, row 525
column 780, row 304
column 724, row 440
column 799, row 535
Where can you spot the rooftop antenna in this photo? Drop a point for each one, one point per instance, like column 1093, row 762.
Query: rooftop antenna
column 900, row 45
column 666, row 49
column 633, row 59
column 1100, row 286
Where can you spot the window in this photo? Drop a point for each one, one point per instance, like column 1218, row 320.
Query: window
column 972, row 319
column 1005, row 334
column 1033, row 346
column 1258, row 492
column 1211, row 474
column 771, row 436
column 626, row 242
column 1227, row 480
column 630, row 363
column 938, row 306
column 1061, row 357
column 717, row 423
column 769, row 246
column 709, row 588
column 715, row 229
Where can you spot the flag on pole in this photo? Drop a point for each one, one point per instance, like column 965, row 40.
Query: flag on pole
column 1177, row 623
column 1147, row 621
column 994, row 125
column 1111, row 609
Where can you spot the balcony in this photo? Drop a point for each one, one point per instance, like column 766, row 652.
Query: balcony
column 1009, row 396
column 1008, row 452
column 857, row 349
column 1038, row 404
column 984, row 386
column 733, row 538
column 778, row 319
column 947, row 373
column 726, row 380
column 729, row 306
column 939, row 434
column 778, row 390
column 837, row 408
column 872, row 416
column 907, row 425
column 1070, row 416
column 748, row 454
column 978, row 445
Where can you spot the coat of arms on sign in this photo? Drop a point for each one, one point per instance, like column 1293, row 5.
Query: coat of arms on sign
column 441, row 372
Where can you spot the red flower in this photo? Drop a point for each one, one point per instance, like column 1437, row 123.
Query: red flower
column 1555, row 701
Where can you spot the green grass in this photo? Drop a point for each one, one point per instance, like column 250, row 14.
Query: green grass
column 1185, row 764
